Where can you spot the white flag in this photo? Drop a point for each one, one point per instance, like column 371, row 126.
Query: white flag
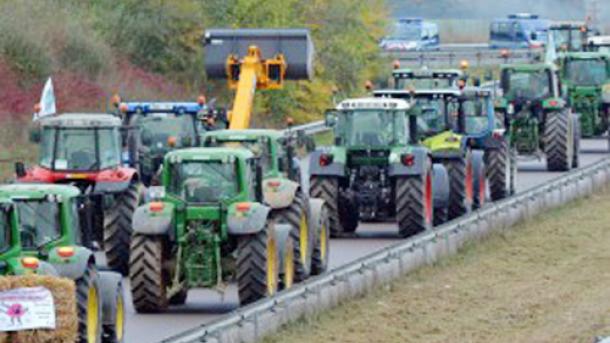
column 47, row 101
column 551, row 49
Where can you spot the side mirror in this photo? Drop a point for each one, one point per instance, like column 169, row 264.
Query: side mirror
column 35, row 135
column 20, row 169
column 330, row 118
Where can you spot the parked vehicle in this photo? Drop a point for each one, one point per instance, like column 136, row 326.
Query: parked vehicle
column 412, row 34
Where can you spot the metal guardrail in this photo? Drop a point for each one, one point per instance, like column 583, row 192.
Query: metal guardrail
column 475, row 57
column 251, row 323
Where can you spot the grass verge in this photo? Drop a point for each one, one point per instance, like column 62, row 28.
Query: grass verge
column 546, row 280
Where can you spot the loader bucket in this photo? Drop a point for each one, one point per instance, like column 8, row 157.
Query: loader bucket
column 294, row 44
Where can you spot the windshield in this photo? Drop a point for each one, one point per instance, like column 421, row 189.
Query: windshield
column 528, row 85
column 204, row 181
column 404, row 31
column 79, row 149
column 39, row 222
column 432, row 117
column 586, row 72
column 475, row 112
column 425, row 83
column 5, row 230
column 259, row 148
column 157, row 128
column 571, row 39
column 372, row 127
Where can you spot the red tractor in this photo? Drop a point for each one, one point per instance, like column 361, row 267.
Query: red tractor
column 85, row 150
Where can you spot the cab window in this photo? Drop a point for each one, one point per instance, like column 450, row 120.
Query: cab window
column 39, row 222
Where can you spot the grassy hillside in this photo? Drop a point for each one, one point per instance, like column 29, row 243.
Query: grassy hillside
column 152, row 49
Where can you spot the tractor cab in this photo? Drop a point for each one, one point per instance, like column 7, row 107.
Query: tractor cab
column 82, row 149
column 275, row 150
column 529, row 86
column 426, row 79
column 154, row 128
column 370, row 124
column 48, row 216
column 570, row 36
column 585, row 69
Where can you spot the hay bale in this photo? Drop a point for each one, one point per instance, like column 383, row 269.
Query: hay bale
column 64, row 296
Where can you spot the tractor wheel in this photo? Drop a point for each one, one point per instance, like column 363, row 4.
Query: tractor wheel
column 343, row 219
column 148, row 279
column 460, row 185
column 558, row 143
column 319, row 262
column 479, row 173
column 576, row 140
column 499, row 171
column 89, row 306
column 117, row 228
column 302, row 234
column 257, row 266
column 113, row 304
column 414, row 204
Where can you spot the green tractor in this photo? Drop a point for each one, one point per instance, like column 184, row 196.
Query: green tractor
column 376, row 170
column 277, row 154
column 84, row 150
column 466, row 117
column 42, row 234
column 586, row 75
column 439, row 130
column 210, row 224
column 539, row 120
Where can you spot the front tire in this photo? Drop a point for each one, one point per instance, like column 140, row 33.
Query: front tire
column 148, row 279
column 321, row 251
column 499, row 169
column 89, row 306
column 117, row 228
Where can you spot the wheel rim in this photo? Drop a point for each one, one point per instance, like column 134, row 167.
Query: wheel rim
column 428, row 199
column 323, row 242
column 469, row 191
column 92, row 314
column 289, row 267
column 303, row 239
column 120, row 319
column 271, row 266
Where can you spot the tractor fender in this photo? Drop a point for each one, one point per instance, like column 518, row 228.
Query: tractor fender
column 478, row 169
column 45, row 268
column 336, row 168
column 73, row 267
column 419, row 166
column 281, row 233
column 246, row 218
column 279, row 193
column 440, row 186
column 110, row 284
column 158, row 222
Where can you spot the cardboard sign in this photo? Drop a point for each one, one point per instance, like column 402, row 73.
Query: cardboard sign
column 26, row 309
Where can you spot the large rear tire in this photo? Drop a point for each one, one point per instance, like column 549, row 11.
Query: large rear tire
column 499, row 171
column 147, row 276
column 414, row 204
column 576, row 140
column 461, row 190
column 117, row 228
column 89, row 306
column 343, row 219
column 303, row 237
column 257, row 266
column 558, row 142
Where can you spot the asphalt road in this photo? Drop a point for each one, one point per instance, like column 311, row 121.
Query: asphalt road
column 203, row 306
